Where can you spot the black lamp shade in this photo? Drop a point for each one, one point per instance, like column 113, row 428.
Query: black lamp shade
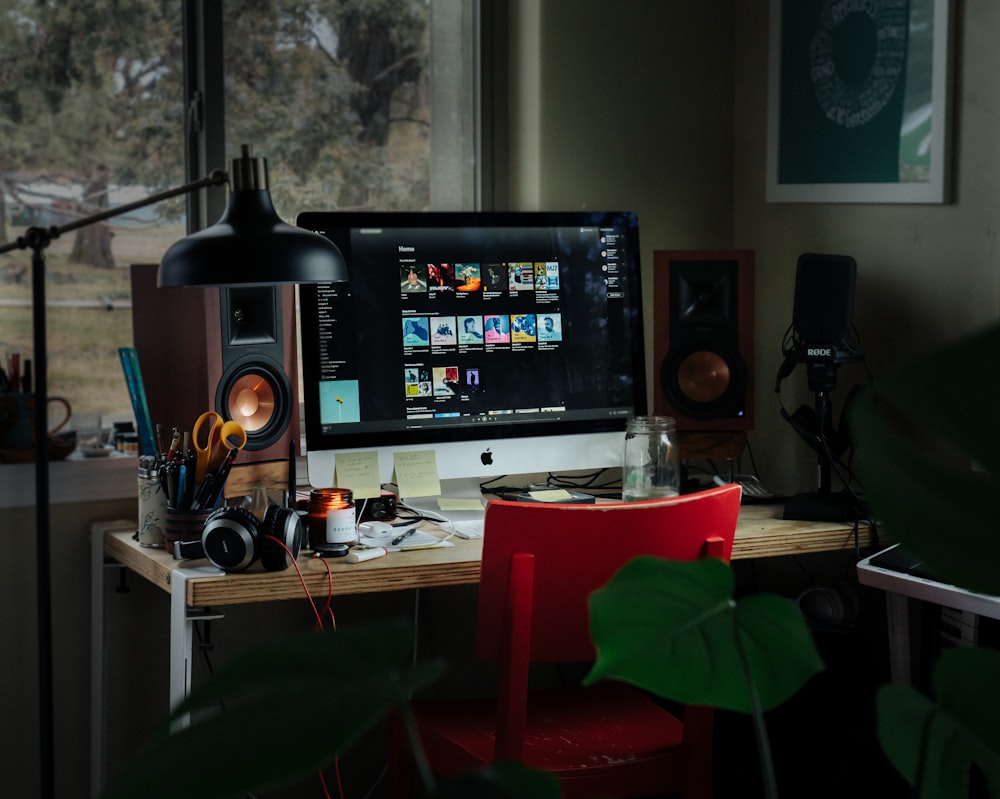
column 250, row 244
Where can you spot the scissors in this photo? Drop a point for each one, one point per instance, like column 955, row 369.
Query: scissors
column 219, row 436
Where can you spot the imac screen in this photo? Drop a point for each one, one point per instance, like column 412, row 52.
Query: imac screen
column 500, row 340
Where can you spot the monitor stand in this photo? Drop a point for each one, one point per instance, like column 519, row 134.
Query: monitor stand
column 457, row 501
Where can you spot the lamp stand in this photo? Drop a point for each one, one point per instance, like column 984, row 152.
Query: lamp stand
column 43, row 549
column 37, row 239
column 269, row 252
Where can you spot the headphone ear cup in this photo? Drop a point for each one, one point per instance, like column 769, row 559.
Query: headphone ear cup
column 230, row 539
column 280, row 525
column 837, row 606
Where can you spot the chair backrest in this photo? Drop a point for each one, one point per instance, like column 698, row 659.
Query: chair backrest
column 550, row 557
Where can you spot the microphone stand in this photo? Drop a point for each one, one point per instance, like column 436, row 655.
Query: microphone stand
column 37, row 239
column 823, row 504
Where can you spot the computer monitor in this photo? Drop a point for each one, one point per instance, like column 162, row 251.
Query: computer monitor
column 507, row 343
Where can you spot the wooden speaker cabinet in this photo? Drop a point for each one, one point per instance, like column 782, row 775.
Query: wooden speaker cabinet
column 703, row 347
column 230, row 349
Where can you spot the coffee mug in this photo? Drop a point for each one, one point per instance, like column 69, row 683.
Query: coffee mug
column 17, row 420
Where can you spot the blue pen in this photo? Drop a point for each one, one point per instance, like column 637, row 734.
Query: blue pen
column 182, row 486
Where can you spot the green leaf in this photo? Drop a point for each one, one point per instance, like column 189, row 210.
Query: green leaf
column 290, row 706
column 933, row 745
column 928, row 458
column 674, row 629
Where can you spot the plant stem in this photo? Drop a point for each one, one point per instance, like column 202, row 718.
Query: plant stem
column 757, row 712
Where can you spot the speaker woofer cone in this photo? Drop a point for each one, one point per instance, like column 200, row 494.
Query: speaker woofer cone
column 258, row 395
column 705, row 383
column 252, row 402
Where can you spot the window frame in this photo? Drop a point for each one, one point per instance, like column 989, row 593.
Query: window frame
column 468, row 139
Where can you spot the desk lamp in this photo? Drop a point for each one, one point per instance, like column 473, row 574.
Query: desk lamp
column 248, row 245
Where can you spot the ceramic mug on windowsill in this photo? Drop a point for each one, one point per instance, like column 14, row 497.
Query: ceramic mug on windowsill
column 17, row 426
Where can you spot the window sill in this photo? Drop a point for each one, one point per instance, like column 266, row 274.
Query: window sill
column 70, row 481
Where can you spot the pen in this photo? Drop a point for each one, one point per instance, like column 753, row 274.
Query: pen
column 403, row 536
column 220, row 477
column 174, row 441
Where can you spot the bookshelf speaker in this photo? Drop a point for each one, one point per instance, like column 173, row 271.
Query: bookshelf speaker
column 229, row 349
column 703, row 338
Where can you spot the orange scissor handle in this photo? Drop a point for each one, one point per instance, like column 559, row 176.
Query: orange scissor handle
column 232, row 435
column 207, row 442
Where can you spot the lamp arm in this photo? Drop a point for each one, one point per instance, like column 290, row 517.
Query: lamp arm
column 39, row 237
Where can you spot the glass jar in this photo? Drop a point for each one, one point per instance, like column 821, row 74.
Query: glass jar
column 651, row 463
column 259, row 502
column 332, row 522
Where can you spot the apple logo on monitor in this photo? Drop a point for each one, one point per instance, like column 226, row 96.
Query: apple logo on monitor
column 486, row 457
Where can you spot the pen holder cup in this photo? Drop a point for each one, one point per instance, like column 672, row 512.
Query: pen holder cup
column 183, row 525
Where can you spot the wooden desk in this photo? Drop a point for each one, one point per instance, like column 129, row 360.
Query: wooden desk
column 760, row 533
column 194, row 587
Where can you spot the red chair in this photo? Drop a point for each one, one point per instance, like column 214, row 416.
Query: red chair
column 540, row 564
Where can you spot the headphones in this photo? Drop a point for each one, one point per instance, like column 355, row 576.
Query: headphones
column 836, row 606
column 233, row 539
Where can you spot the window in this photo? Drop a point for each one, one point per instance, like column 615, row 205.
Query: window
column 354, row 105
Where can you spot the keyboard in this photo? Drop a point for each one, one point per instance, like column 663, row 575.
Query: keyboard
column 753, row 489
column 465, row 528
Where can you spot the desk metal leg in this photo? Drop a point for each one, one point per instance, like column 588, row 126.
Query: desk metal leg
column 182, row 621
column 898, row 618
column 181, row 638
column 98, row 567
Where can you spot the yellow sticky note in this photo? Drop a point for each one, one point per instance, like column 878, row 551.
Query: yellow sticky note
column 416, row 473
column 358, row 471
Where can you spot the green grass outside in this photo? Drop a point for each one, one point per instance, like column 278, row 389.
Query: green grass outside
column 83, row 342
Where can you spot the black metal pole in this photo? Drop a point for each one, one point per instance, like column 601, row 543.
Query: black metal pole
column 823, row 414
column 43, row 547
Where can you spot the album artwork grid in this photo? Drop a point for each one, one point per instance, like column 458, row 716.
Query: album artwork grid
column 434, row 336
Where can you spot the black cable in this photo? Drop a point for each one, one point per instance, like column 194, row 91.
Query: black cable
column 205, row 644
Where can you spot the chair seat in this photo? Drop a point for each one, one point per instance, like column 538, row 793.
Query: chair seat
column 578, row 731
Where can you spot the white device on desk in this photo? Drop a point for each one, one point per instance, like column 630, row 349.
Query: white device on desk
column 395, row 537
column 900, row 582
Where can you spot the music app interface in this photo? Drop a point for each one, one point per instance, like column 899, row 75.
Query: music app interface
column 440, row 326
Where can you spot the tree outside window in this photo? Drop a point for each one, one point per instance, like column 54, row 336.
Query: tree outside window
column 333, row 93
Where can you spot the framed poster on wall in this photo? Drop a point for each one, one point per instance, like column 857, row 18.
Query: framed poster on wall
column 859, row 101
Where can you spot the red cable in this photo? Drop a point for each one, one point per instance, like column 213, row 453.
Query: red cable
column 327, row 609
